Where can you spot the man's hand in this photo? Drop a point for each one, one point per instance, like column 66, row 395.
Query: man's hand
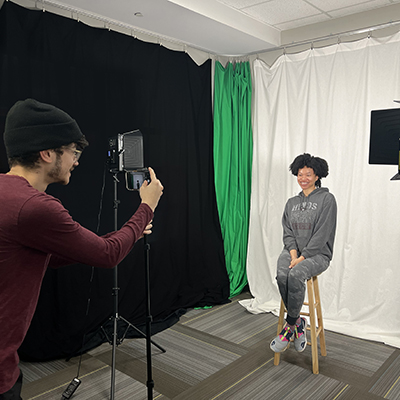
column 147, row 230
column 150, row 193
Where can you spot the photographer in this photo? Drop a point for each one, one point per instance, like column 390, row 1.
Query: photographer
column 43, row 145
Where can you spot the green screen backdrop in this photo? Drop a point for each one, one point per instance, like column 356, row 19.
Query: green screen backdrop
column 233, row 154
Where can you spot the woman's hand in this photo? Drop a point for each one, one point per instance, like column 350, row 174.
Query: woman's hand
column 295, row 261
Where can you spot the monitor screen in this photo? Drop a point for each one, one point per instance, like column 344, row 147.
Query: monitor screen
column 384, row 137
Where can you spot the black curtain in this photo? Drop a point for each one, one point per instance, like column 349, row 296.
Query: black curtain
column 112, row 83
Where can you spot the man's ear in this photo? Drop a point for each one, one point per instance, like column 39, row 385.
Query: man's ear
column 47, row 155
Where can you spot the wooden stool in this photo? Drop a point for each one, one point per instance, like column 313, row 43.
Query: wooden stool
column 316, row 327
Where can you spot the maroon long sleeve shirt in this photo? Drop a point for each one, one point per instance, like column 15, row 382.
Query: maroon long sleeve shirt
column 36, row 231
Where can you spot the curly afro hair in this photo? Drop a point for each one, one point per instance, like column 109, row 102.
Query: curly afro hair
column 319, row 165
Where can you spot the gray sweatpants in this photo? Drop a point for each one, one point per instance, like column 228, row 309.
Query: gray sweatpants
column 292, row 282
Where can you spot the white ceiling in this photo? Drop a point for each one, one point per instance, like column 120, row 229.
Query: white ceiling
column 222, row 27
column 289, row 14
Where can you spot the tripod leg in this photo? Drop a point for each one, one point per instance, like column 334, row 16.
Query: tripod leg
column 114, row 348
column 140, row 333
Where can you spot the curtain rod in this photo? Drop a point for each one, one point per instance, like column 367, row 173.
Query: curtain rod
column 106, row 21
column 332, row 35
column 135, row 30
column 109, row 23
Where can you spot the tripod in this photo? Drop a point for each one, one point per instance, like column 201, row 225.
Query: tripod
column 116, row 317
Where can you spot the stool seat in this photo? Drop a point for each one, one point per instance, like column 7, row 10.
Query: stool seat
column 316, row 326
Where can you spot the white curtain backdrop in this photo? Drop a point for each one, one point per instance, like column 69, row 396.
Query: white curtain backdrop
column 320, row 101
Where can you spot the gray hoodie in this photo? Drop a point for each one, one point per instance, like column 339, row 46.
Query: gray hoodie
column 309, row 223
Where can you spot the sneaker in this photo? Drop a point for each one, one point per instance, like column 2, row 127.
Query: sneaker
column 282, row 341
column 300, row 336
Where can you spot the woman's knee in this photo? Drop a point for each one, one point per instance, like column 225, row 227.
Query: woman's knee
column 282, row 269
column 296, row 278
column 281, row 277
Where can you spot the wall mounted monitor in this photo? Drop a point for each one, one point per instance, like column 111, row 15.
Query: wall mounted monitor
column 384, row 137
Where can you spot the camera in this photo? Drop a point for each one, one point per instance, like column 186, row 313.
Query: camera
column 135, row 179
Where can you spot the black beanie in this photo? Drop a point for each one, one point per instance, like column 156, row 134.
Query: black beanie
column 32, row 126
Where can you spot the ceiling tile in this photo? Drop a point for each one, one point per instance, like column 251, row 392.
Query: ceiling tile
column 277, row 11
column 329, row 5
column 357, row 8
column 297, row 23
column 239, row 4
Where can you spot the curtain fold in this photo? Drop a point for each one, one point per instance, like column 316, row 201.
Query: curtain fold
column 233, row 151
column 320, row 101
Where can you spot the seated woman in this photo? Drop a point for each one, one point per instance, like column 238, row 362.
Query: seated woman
column 309, row 226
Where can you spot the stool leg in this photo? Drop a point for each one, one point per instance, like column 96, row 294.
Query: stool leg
column 277, row 356
column 322, row 342
column 313, row 328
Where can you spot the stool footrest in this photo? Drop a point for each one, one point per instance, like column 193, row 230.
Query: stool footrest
column 317, row 332
column 318, row 329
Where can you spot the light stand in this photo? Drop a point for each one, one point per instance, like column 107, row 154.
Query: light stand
column 149, row 320
column 116, row 317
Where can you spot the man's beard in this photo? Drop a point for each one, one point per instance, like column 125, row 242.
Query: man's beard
column 55, row 173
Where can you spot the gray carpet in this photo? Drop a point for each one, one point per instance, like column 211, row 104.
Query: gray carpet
column 223, row 353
